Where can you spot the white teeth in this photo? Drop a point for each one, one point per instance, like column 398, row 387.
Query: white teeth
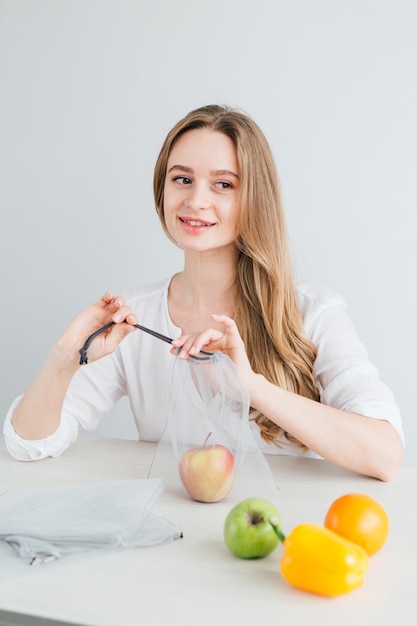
column 192, row 223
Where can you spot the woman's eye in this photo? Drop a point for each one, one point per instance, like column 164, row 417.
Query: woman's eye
column 224, row 185
column 182, row 180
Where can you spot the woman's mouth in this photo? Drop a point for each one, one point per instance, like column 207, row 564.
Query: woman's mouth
column 196, row 223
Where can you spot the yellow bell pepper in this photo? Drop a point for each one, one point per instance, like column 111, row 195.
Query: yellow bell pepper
column 318, row 560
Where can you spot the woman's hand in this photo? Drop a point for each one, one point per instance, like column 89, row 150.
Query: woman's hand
column 227, row 341
column 108, row 309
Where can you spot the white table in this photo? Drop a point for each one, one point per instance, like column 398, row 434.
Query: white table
column 196, row 581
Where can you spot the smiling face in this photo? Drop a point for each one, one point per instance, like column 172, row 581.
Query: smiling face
column 201, row 191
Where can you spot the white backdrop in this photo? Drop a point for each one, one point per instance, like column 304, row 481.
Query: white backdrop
column 89, row 89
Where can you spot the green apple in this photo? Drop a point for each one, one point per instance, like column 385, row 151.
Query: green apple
column 207, row 472
column 250, row 528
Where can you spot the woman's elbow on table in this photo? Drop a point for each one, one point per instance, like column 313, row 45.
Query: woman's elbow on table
column 391, row 459
column 54, row 445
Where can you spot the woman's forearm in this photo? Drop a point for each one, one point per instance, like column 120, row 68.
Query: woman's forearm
column 366, row 445
column 39, row 411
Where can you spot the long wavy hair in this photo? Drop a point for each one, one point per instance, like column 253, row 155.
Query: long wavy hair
column 267, row 313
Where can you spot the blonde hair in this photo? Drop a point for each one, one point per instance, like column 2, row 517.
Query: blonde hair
column 267, row 313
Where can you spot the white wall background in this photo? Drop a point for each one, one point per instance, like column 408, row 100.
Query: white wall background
column 89, row 89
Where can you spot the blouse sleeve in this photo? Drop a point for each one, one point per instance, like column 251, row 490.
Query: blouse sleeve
column 346, row 377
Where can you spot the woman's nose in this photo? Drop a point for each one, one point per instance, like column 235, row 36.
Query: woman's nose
column 199, row 197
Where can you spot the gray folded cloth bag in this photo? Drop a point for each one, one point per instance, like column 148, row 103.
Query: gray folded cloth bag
column 45, row 523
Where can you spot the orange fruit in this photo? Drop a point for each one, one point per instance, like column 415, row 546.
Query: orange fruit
column 361, row 519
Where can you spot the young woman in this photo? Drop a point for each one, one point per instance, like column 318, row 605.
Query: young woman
column 312, row 388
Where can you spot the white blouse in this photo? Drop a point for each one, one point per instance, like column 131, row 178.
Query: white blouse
column 140, row 369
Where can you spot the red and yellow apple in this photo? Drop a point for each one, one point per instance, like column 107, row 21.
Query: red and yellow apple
column 207, row 472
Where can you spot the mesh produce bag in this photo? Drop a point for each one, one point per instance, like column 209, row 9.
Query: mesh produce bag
column 44, row 524
column 207, row 451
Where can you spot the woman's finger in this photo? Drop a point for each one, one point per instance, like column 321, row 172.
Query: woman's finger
column 188, row 345
column 124, row 314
